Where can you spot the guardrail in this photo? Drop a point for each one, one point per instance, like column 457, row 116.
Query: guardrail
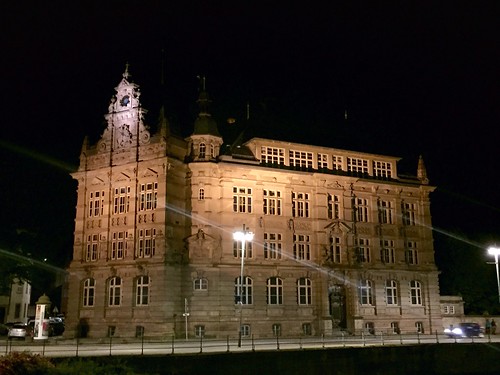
column 112, row 346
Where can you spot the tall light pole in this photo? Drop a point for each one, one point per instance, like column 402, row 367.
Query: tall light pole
column 495, row 251
column 242, row 236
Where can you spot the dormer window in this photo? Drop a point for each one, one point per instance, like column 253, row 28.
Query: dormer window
column 203, row 150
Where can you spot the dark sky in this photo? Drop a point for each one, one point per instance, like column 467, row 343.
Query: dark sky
column 414, row 77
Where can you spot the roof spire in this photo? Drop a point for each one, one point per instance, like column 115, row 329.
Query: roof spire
column 126, row 74
column 422, row 171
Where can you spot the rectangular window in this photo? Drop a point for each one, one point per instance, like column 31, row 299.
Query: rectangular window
column 411, row 252
column 88, row 292
column 307, row 329
column 199, row 331
column 300, row 204
column 391, row 292
column 301, row 247
column 304, row 291
column 245, row 330
column 274, row 291
column 361, row 210
column 385, row 212
column 96, row 203
column 272, row 155
column 276, row 330
column 17, row 311
column 387, row 252
column 357, row 165
column 382, row 169
column 333, row 204
column 118, row 245
column 238, row 248
column 148, row 196
column 201, row 194
column 365, row 292
column 322, row 161
column 121, row 200
column 301, row 159
column 337, row 162
column 272, row 202
column 362, row 250
column 114, row 291
column 147, row 243
column 92, row 248
column 142, row 291
column 242, row 199
column 415, row 292
column 409, row 213
column 335, row 250
column 272, row 245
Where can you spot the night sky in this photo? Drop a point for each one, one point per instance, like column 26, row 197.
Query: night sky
column 415, row 78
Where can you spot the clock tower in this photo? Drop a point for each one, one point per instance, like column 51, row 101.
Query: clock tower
column 125, row 119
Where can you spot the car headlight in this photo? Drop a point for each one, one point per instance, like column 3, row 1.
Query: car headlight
column 457, row 331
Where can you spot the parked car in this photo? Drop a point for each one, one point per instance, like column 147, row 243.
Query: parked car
column 19, row 330
column 464, row 330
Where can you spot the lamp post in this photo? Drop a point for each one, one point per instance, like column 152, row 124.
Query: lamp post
column 495, row 251
column 242, row 236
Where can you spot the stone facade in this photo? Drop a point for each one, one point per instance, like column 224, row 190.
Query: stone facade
column 340, row 241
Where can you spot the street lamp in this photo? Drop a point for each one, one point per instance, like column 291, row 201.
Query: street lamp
column 242, row 236
column 495, row 251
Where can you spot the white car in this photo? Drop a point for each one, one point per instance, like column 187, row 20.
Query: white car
column 19, row 331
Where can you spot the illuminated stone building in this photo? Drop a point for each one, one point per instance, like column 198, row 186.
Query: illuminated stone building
column 341, row 241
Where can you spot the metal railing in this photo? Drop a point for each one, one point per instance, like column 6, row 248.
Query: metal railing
column 112, row 346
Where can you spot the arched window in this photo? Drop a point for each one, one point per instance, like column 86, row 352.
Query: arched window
column 391, row 292
column 274, row 291
column 203, row 150
column 415, row 292
column 114, row 291
column 88, row 292
column 304, row 291
column 246, row 290
column 142, row 291
column 212, row 150
column 365, row 292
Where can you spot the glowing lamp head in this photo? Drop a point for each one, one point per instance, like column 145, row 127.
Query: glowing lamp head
column 494, row 250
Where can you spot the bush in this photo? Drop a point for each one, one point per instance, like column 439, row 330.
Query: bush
column 21, row 363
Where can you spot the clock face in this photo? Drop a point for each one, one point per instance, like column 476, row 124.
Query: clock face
column 125, row 100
